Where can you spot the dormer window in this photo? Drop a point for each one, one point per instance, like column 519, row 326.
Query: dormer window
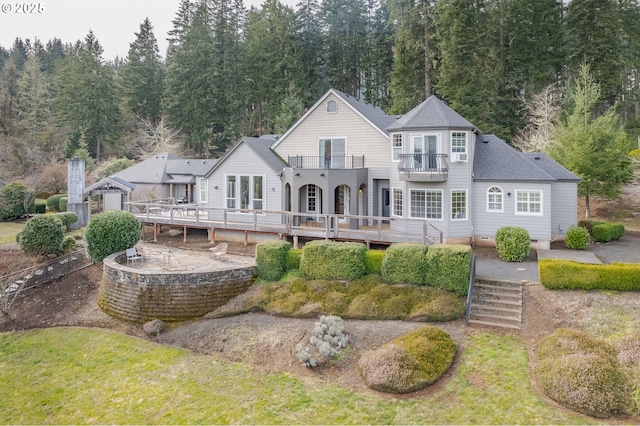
column 332, row 107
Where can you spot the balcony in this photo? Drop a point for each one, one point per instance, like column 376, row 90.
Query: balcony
column 423, row 167
column 325, row 162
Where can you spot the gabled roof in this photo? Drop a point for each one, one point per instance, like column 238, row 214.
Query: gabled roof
column 109, row 183
column 495, row 160
column 431, row 114
column 375, row 116
column 261, row 146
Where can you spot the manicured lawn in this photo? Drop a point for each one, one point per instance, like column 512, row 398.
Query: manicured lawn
column 9, row 230
column 76, row 375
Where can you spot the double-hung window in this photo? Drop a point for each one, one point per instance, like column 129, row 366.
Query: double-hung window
column 459, row 151
column 494, row 200
column 459, row 204
column 529, row 202
column 244, row 192
column 397, row 202
column 396, row 146
column 426, row 204
column 203, row 190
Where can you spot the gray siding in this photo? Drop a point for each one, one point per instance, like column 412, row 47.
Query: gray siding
column 564, row 199
column 485, row 224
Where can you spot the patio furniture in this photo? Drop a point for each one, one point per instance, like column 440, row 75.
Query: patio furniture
column 219, row 252
column 133, row 256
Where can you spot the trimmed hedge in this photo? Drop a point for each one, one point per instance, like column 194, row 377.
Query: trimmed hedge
column 111, row 232
column 607, row 231
column 323, row 259
column 405, row 263
column 38, row 207
column 67, row 218
column 53, row 202
column 271, row 259
column 577, row 238
column 449, row 267
column 373, row 261
column 42, row 235
column 293, row 259
column 64, row 202
column 513, row 244
column 568, row 274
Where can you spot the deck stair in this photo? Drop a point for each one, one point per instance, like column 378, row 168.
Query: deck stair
column 497, row 303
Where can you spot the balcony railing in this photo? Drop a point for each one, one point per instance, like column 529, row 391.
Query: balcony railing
column 325, row 162
column 420, row 163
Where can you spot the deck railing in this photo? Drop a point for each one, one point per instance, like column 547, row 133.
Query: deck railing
column 335, row 226
column 472, row 280
column 421, row 163
column 326, row 162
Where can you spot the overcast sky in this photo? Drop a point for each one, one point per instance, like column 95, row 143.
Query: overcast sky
column 114, row 22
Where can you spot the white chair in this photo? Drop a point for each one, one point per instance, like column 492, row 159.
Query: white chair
column 219, row 252
column 133, row 256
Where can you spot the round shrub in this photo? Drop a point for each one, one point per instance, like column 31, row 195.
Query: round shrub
column 581, row 373
column 42, row 235
column 513, row 244
column 408, row 363
column 363, row 307
column 577, row 238
column 110, row 232
column 64, row 202
column 271, row 259
column 53, row 202
column 68, row 244
column 12, row 200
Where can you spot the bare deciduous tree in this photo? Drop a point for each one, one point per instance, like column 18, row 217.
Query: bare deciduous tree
column 541, row 116
column 152, row 139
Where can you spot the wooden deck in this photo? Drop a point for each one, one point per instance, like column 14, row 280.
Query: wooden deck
column 368, row 229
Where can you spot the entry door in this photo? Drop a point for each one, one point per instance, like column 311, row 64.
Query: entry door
column 425, row 149
column 332, row 153
column 386, row 202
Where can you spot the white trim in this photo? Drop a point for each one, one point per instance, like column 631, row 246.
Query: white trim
column 412, row 136
column 335, row 103
column 502, row 194
column 401, row 134
column 251, row 195
column 393, row 201
column 455, row 155
column 425, row 207
column 466, row 204
column 203, row 189
column 515, row 200
column 321, row 102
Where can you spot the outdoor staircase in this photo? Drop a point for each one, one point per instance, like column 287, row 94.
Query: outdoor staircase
column 496, row 303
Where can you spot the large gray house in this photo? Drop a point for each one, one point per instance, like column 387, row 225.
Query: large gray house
column 347, row 157
column 347, row 165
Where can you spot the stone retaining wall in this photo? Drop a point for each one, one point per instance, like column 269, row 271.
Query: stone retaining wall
column 139, row 296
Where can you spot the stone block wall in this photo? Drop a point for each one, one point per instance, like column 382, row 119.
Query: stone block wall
column 140, row 296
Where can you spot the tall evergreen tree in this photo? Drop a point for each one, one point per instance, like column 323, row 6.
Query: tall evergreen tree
column 143, row 75
column 33, row 98
column 8, row 97
column 308, row 79
column 86, row 98
column 181, row 23
column 592, row 146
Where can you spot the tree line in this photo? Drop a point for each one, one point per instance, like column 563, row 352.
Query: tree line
column 229, row 71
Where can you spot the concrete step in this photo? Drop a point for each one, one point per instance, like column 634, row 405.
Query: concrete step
column 513, row 299
column 495, row 324
column 497, row 304
column 496, row 310
column 498, row 289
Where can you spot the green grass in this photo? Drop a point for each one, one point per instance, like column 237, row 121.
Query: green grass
column 9, row 230
column 89, row 376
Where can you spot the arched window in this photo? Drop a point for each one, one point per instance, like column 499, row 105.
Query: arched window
column 494, row 200
column 332, row 106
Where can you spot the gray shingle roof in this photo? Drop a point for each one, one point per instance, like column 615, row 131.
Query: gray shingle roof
column 431, row 114
column 261, row 146
column 164, row 168
column 374, row 114
column 495, row 160
column 111, row 182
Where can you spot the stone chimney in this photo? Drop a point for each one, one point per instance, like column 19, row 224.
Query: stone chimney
column 75, row 192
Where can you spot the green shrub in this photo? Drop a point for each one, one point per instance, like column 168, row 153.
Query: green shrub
column 567, row 274
column 110, row 232
column 577, row 238
column 588, row 224
column 42, row 235
column 323, row 259
column 293, row 259
column 513, row 244
column 408, row 363
column 373, row 261
column 12, row 200
column 449, row 267
column 271, row 259
column 38, row 207
column 405, row 263
column 67, row 218
column 363, row 307
column 581, row 373
column 53, row 202
column 68, row 244
column 64, row 202
column 607, row 231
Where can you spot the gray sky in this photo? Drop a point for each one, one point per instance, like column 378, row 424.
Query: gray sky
column 114, row 22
